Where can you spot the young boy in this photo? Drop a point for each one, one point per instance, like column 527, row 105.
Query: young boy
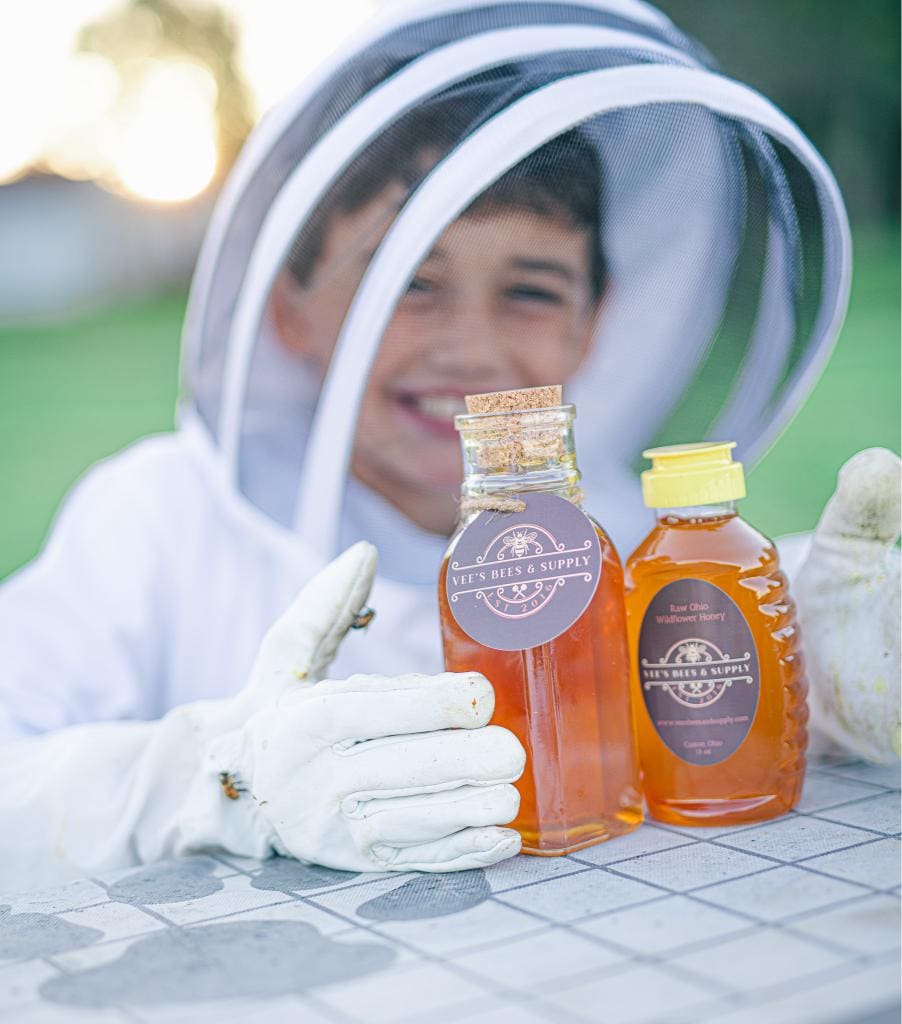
column 508, row 298
column 158, row 583
column 136, row 721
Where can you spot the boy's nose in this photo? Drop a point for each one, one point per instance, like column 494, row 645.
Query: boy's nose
column 466, row 339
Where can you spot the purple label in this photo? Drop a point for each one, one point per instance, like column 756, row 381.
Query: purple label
column 519, row 579
column 698, row 668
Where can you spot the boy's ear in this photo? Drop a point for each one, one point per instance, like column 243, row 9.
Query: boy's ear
column 288, row 310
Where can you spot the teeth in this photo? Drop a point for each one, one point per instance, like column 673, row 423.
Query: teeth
column 440, row 407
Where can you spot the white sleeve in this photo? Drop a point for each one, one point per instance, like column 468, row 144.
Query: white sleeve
column 91, row 798
column 80, row 627
column 83, row 649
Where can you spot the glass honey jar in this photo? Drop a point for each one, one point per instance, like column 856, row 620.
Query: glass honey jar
column 531, row 595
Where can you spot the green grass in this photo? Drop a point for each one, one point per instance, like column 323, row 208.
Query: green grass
column 856, row 403
column 74, row 392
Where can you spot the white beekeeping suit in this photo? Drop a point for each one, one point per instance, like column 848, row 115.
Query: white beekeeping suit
column 720, row 253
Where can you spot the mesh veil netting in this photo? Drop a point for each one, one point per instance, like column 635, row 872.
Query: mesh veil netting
column 720, row 250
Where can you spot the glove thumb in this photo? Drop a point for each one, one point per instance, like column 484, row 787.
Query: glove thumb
column 301, row 644
column 866, row 504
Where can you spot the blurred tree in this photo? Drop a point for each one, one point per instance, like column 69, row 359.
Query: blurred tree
column 832, row 65
column 146, row 30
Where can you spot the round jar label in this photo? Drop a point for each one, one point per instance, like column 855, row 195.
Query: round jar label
column 519, row 579
column 698, row 669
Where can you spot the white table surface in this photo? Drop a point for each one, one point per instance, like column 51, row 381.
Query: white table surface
column 794, row 921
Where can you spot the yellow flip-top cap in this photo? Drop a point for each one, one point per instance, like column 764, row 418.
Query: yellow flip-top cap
column 692, row 474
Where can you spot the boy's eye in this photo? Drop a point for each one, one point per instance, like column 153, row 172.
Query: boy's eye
column 419, row 285
column 534, row 293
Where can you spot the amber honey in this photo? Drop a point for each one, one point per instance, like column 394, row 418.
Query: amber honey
column 568, row 703
column 545, row 620
column 712, row 547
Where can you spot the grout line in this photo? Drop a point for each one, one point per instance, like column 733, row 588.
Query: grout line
column 792, row 815
column 326, row 1009
column 142, row 907
column 786, row 925
column 846, row 803
column 699, row 896
column 128, row 1013
column 570, row 922
column 715, row 990
column 777, row 822
column 633, row 960
column 759, row 998
column 767, row 866
column 543, row 881
column 638, row 856
column 365, row 879
column 863, row 828
column 842, row 849
column 665, row 956
column 56, row 913
column 832, row 773
column 754, row 924
column 799, row 861
column 419, row 954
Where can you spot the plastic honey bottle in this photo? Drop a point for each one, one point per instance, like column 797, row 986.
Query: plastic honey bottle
column 531, row 595
column 718, row 675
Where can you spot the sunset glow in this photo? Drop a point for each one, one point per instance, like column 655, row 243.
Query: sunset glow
column 152, row 134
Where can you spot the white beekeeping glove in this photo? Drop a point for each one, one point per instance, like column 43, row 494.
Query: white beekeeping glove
column 369, row 773
column 848, row 599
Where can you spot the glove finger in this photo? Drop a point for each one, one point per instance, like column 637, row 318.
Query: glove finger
column 428, row 762
column 368, row 707
column 408, row 820
column 302, row 643
column 868, row 501
column 471, row 848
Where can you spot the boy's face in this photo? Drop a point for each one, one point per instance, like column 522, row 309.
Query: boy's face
column 503, row 301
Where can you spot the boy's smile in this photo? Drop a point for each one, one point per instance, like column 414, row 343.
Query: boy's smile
column 432, row 410
column 504, row 300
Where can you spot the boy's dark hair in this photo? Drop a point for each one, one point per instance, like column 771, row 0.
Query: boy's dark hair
column 561, row 180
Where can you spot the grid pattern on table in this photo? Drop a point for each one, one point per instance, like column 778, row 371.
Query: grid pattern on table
column 794, row 920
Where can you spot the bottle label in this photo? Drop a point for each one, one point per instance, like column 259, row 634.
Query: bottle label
column 519, row 579
column 698, row 669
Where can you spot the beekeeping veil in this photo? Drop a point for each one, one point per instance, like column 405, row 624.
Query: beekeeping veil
column 722, row 233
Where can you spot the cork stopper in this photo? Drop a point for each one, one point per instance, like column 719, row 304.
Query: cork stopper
column 513, row 401
column 504, row 430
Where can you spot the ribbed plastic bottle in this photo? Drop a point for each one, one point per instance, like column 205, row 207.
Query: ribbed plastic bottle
column 718, row 673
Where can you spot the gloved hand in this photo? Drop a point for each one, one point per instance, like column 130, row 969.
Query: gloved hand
column 372, row 772
column 847, row 592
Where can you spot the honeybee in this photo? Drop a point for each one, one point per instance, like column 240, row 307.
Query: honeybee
column 363, row 618
column 231, row 785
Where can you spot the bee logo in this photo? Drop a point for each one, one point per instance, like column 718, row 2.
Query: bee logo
column 714, row 672
column 519, row 542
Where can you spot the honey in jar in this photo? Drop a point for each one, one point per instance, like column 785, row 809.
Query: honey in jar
column 531, row 595
column 718, row 674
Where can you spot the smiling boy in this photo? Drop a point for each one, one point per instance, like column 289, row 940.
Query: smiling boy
column 158, row 585
column 508, row 298
column 139, row 626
